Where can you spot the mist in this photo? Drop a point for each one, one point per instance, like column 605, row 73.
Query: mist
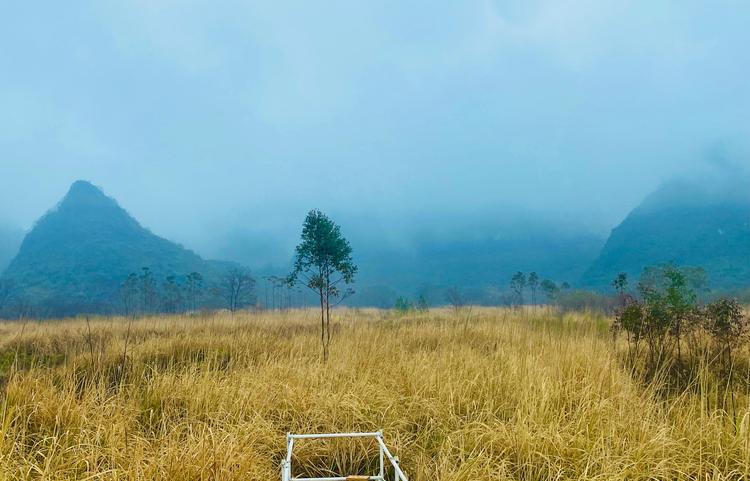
column 223, row 124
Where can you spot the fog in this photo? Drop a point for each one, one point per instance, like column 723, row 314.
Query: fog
column 217, row 121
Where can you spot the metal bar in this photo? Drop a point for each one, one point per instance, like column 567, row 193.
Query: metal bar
column 381, row 471
column 334, row 435
column 337, row 478
column 289, row 447
column 383, row 452
column 399, row 474
column 288, row 460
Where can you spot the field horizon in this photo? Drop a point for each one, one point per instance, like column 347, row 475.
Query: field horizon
column 469, row 394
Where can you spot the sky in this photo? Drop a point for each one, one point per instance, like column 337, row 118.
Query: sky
column 203, row 118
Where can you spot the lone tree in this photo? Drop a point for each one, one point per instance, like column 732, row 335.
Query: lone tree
column 323, row 263
column 620, row 283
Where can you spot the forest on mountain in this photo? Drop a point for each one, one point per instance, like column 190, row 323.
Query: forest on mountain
column 88, row 254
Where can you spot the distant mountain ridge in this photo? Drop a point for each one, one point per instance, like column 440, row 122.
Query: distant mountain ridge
column 78, row 254
column 685, row 223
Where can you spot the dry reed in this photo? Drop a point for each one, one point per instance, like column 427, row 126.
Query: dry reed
column 486, row 394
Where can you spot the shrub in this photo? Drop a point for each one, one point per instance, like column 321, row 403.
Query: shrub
column 727, row 324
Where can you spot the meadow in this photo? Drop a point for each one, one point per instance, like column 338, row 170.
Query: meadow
column 471, row 394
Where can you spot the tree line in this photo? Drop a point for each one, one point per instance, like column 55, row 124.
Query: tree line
column 143, row 293
column 551, row 290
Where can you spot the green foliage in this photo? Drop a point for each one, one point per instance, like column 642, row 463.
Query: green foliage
column 726, row 322
column 620, row 283
column 671, row 299
column 667, row 313
column 661, row 276
column 78, row 257
column 403, row 305
column 631, row 318
column 323, row 263
column 323, row 259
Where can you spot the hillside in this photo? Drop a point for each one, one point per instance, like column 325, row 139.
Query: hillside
column 10, row 240
column 480, row 267
column 686, row 224
column 78, row 254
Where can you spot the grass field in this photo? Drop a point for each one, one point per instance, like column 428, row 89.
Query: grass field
column 484, row 394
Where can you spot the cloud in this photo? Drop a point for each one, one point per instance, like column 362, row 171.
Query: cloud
column 200, row 115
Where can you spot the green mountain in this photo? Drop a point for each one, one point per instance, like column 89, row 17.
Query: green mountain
column 10, row 240
column 77, row 256
column 685, row 223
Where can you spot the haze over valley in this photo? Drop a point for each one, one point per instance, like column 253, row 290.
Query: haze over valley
column 476, row 240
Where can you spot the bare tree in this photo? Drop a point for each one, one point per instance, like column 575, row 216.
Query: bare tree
column 148, row 290
column 193, row 288
column 172, row 291
column 238, row 288
column 129, row 295
column 455, row 298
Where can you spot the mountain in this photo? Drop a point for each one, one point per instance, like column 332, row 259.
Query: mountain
column 10, row 240
column 686, row 223
column 480, row 262
column 77, row 256
column 480, row 267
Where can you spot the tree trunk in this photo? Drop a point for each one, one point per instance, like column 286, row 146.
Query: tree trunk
column 323, row 327
column 328, row 324
column 328, row 313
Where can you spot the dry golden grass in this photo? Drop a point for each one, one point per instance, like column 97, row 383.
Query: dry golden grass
column 487, row 395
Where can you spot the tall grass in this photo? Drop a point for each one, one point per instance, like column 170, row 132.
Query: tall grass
column 486, row 394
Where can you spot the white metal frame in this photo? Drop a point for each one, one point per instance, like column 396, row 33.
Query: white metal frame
column 286, row 463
